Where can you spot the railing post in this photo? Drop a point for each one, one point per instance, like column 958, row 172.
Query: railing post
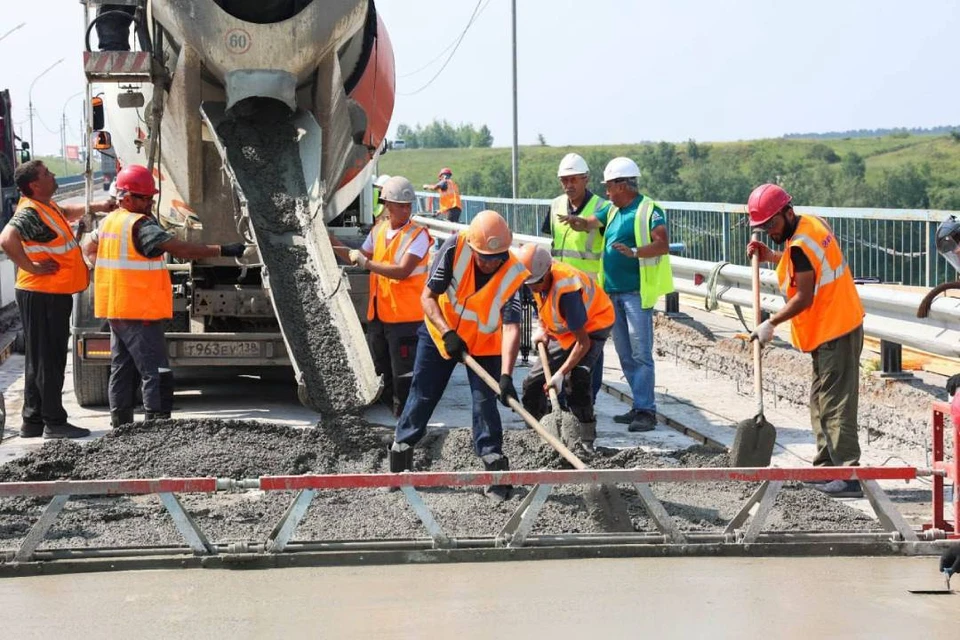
column 931, row 254
column 725, row 250
column 891, row 361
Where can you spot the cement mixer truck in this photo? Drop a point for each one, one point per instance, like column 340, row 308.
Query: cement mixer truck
column 261, row 121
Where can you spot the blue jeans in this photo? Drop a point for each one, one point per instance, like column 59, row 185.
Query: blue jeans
column 633, row 338
column 431, row 373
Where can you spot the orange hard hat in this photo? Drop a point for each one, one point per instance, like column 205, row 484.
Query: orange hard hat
column 489, row 233
column 766, row 201
column 537, row 259
column 136, row 179
column 445, row 172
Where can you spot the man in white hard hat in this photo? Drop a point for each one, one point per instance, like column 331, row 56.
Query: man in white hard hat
column 635, row 273
column 377, row 190
column 580, row 249
column 575, row 320
column 396, row 252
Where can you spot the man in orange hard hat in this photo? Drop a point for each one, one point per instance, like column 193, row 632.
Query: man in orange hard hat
column 50, row 269
column 450, row 205
column 134, row 294
column 471, row 306
column 826, row 321
column 575, row 321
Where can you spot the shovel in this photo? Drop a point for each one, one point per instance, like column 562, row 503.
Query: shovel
column 753, row 443
column 554, row 421
column 604, row 498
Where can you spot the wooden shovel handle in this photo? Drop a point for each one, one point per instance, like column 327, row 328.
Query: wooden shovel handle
column 545, row 361
column 523, row 413
column 757, row 360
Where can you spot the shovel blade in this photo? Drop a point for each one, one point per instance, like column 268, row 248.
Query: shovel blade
column 753, row 443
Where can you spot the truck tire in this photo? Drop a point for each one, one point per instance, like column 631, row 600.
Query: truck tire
column 90, row 382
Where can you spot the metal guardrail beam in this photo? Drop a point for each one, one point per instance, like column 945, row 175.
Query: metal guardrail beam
column 890, row 314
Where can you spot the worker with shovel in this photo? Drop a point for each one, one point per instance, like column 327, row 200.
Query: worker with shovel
column 826, row 321
column 472, row 314
column 575, row 320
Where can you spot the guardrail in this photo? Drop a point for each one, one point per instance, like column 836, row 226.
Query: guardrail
column 890, row 314
column 891, row 245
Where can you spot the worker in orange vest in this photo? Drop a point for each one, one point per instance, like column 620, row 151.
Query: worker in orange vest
column 576, row 317
column 50, row 269
column 396, row 252
column 826, row 321
column 134, row 294
column 471, row 306
column 450, row 204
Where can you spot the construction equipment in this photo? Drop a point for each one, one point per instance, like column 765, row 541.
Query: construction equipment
column 10, row 157
column 755, row 437
column 262, row 123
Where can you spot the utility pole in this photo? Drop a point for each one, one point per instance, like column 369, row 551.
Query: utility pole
column 516, row 149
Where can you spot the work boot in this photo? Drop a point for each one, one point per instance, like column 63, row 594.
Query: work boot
column 67, row 430
column 156, row 415
column 120, row 416
column 497, row 462
column 644, row 421
column 588, row 434
column 626, row 418
column 400, row 456
column 841, row 488
column 31, row 430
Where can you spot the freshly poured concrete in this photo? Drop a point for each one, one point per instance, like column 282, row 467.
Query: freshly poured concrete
column 713, row 598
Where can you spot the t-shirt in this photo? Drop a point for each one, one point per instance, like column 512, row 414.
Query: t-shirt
column 547, row 227
column 621, row 274
column 441, row 273
column 572, row 310
column 148, row 235
column 419, row 246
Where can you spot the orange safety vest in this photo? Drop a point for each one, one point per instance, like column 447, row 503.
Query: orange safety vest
column 451, row 197
column 72, row 276
column 397, row 300
column 473, row 313
column 566, row 279
column 128, row 285
column 836, row 308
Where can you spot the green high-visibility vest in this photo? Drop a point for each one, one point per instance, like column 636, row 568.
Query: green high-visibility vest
column 377, row 205
column 580, row 249
column 656, row 276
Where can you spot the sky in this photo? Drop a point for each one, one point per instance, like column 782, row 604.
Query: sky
column 601, row 71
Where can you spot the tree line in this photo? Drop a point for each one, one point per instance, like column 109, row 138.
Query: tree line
column 440, row 134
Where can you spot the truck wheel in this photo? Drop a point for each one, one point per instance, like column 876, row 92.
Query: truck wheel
column 90, row 382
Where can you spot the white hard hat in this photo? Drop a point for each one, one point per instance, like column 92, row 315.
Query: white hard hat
column 621, row 168
column 398, row 189
column 572, row 165
column 536, row 259
column 381, row 180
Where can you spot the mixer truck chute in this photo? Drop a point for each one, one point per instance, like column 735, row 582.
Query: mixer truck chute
column 263, row 120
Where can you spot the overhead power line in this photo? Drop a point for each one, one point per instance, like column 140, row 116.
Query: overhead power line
column 456, row 45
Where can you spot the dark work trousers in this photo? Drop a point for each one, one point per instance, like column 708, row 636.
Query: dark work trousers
column 431, row 373
column 46, row 334
column 138, row 351
column 578, row 388
column 452, row 214
column 393, row 346
column 834, row 400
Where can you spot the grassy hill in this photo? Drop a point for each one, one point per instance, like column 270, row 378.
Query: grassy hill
column 899, row 170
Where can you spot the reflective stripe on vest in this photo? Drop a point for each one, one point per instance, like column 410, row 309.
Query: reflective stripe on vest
column 583, row 250
column 475, row 313
column 393, row 300
column 836, row 309
column 72, row 276
column 128, row 285
column 450, row 198
column 656, row 274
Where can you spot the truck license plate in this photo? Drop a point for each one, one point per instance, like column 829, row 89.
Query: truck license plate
column 203, row 349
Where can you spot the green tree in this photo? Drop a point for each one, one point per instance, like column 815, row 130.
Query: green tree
column 823, row 153
column 483, row 138
column 853, row 166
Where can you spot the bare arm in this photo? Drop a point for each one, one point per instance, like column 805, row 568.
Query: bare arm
column 394, row 271
column 581, row 223
column 431, row 309
column 659, row 244
column 190, row 250
column 76, row 211
column 509, row 348
column 90, row 246
column 799, row 302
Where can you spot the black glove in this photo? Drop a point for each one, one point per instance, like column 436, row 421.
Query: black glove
column 507, row 390
column 454, row 345
column 232, row 250
column 952, row 383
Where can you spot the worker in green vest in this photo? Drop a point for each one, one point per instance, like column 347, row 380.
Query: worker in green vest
column 377, row 189
column 635, row 273
column 580, row 249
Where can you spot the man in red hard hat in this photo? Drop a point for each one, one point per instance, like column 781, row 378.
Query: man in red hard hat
column 826, row 321
column 450, row 205
column 50, row 269
column 133, row 292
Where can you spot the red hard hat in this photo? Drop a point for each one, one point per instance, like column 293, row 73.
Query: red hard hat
column 445, row 172
column 766, row 201
column 136, row 179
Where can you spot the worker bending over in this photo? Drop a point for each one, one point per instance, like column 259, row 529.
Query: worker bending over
column 575, row 320
column 826, row 321
column 396, row 252
column 471, row 307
